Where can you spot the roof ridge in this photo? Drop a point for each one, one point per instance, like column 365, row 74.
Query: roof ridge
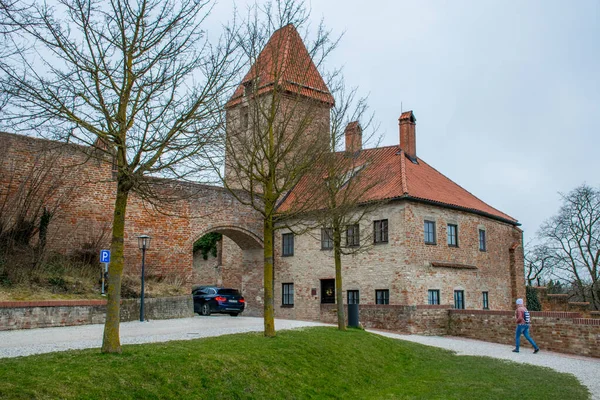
column 373, row 148
column 451, row 180
column 403, row 172
column 286, row 50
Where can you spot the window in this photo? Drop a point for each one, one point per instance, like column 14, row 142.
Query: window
column 326, row 239
column 433, row 296
column 287, row 240
column 486, row 301
column 429, row 232
column 229, row 291
column 380, row 231
column 327, row 291
column 452, row 235
column 482, row 244
column 352, row 236
column 353, row 297
column 382, row 296
column 244, row 117
column 459, row 299
column 287, row 297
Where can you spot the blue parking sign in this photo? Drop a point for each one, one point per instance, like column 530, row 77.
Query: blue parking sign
column 104, row 256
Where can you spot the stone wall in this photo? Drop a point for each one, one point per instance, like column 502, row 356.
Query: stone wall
column 45, row 314
column 563, row 332
column 405, row 265
column 421, row 319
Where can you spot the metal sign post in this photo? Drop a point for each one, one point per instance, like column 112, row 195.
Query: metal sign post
column 105, row 259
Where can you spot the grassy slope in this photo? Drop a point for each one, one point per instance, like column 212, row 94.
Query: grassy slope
column 309, row 363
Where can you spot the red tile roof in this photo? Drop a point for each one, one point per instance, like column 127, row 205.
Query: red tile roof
column 390, row 174
column 285, row 61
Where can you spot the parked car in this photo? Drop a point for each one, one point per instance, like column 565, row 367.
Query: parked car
column 212, row 299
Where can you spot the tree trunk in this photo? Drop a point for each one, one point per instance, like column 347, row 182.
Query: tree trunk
column 111, row 342
column 337, row 254
column 269, row 317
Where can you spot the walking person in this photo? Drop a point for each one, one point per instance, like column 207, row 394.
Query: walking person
column 523, row 321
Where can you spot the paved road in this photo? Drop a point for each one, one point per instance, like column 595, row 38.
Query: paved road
column 36, row 341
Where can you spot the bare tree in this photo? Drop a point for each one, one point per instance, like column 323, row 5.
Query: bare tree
column 539, row 262
column 338, row 187
column 138, row 78
column 277, row 119
column 573, row 237
column 31, row 197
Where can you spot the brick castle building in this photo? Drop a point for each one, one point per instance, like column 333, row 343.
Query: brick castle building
column 431, row 242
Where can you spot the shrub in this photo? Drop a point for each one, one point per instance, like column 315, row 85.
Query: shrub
column 533, row 302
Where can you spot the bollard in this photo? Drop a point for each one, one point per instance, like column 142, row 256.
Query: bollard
column 353, row 315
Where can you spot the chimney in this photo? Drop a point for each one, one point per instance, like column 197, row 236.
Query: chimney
column 408, row 141
column 353, row 134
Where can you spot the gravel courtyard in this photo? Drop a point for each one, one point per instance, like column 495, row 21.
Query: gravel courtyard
column 35, row 341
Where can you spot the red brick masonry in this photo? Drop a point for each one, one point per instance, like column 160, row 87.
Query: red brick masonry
column 564, row 332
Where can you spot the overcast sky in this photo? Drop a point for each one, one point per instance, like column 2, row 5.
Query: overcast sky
column 506, row 93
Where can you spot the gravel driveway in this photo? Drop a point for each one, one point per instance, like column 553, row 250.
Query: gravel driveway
column 35, row 341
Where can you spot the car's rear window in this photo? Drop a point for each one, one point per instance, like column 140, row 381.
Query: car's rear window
column 229, row 291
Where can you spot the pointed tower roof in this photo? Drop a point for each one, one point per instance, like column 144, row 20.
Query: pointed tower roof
column 285, row 61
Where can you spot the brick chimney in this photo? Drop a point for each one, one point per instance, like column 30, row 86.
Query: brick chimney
column 353, row 134
column 408, row 141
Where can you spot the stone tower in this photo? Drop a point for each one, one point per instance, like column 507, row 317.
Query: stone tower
column 282, row 91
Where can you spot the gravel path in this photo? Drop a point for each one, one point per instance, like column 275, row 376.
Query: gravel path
column 47, row 340
column 36, row 341
column 586, row 369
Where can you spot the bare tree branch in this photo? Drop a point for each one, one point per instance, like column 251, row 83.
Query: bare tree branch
column 138, row 76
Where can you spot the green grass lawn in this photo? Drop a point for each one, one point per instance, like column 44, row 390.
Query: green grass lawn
column 310, row 363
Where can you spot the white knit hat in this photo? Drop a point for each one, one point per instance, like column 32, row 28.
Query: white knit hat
column 519, row 301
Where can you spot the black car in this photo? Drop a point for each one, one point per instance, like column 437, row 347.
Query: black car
column 212, row 299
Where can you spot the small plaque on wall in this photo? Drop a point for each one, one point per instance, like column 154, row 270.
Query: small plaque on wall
column 313, row 291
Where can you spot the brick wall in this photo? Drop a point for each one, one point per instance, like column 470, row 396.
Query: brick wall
column 561, row 302
column 421, row 319
column 563, row 332
column 44, row 314
column 86, row 214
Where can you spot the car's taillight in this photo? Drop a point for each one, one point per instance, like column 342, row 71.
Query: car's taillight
column 242, row 300
column 220, row 298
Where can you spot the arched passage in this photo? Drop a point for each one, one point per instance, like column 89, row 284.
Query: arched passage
column 238, row 264
column 245, row 239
